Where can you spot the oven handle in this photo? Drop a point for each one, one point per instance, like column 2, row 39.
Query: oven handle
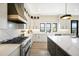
column 28, row 49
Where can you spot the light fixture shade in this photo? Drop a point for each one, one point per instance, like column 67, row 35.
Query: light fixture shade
column 66, row 16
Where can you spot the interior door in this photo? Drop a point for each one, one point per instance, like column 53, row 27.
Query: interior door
column 74, row 27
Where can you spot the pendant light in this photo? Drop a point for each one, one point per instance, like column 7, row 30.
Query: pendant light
column 66, row 16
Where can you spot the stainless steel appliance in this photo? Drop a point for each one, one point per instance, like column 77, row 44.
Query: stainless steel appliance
column 26, row 47
column 25, row 42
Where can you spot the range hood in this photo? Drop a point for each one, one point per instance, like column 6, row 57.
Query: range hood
column 16, row 13
column 16, row 19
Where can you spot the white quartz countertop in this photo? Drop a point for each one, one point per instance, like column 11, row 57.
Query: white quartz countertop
column 7, row 49
column 67, row 43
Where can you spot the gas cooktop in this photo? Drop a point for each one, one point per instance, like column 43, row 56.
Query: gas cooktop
column 16, row 40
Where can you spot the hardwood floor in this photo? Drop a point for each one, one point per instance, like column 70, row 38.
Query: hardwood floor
column 39, row 49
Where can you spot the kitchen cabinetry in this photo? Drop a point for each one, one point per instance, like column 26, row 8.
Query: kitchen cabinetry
column 9, row 49
column 54, row 49
column 16, row 52
column 60, row 52
column 51, row 47
column 39, row 37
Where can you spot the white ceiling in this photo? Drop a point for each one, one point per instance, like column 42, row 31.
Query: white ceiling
column 53, row 8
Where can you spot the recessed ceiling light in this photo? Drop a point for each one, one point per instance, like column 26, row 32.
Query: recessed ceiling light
column 37, row 17
column 32, row 17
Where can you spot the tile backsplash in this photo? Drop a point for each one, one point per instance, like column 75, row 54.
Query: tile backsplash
column 6, row 34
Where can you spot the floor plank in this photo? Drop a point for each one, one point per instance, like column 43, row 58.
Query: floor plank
column 39, row 49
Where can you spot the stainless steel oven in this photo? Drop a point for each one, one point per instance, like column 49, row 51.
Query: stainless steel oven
column 26, row 47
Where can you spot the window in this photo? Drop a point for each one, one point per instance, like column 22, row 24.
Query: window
column 48, row 27
column 54, row 27
column 45, row 27
column 42, row 27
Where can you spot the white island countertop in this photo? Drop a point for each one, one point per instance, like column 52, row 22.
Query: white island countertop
column 67, row 43
column 7, row 49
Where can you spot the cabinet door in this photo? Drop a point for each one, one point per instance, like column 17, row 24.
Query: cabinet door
column 53, row 51
column 16, row 52
column 48, row 45
column 51, row 47
column 60, row 52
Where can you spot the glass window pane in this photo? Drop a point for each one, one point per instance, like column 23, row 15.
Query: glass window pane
column 54, row 27
column 74, row 25
column 48, row 30
column 42, row 27
column 48, row 27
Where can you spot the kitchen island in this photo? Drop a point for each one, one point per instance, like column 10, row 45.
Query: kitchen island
column 63, row 45
column 9, row 49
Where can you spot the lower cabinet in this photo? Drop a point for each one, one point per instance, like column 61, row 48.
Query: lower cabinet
column 54, row 49
column 16, row 52
column 51, row 47
column 60, row 52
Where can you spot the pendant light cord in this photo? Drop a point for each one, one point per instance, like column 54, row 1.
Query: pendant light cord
column 65, row 8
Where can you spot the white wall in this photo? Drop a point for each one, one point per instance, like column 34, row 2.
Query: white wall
column 35, row 23
column 63, row 25
column 6, row 34
column 28, row 20
column 3, row 15
column 44, row 19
